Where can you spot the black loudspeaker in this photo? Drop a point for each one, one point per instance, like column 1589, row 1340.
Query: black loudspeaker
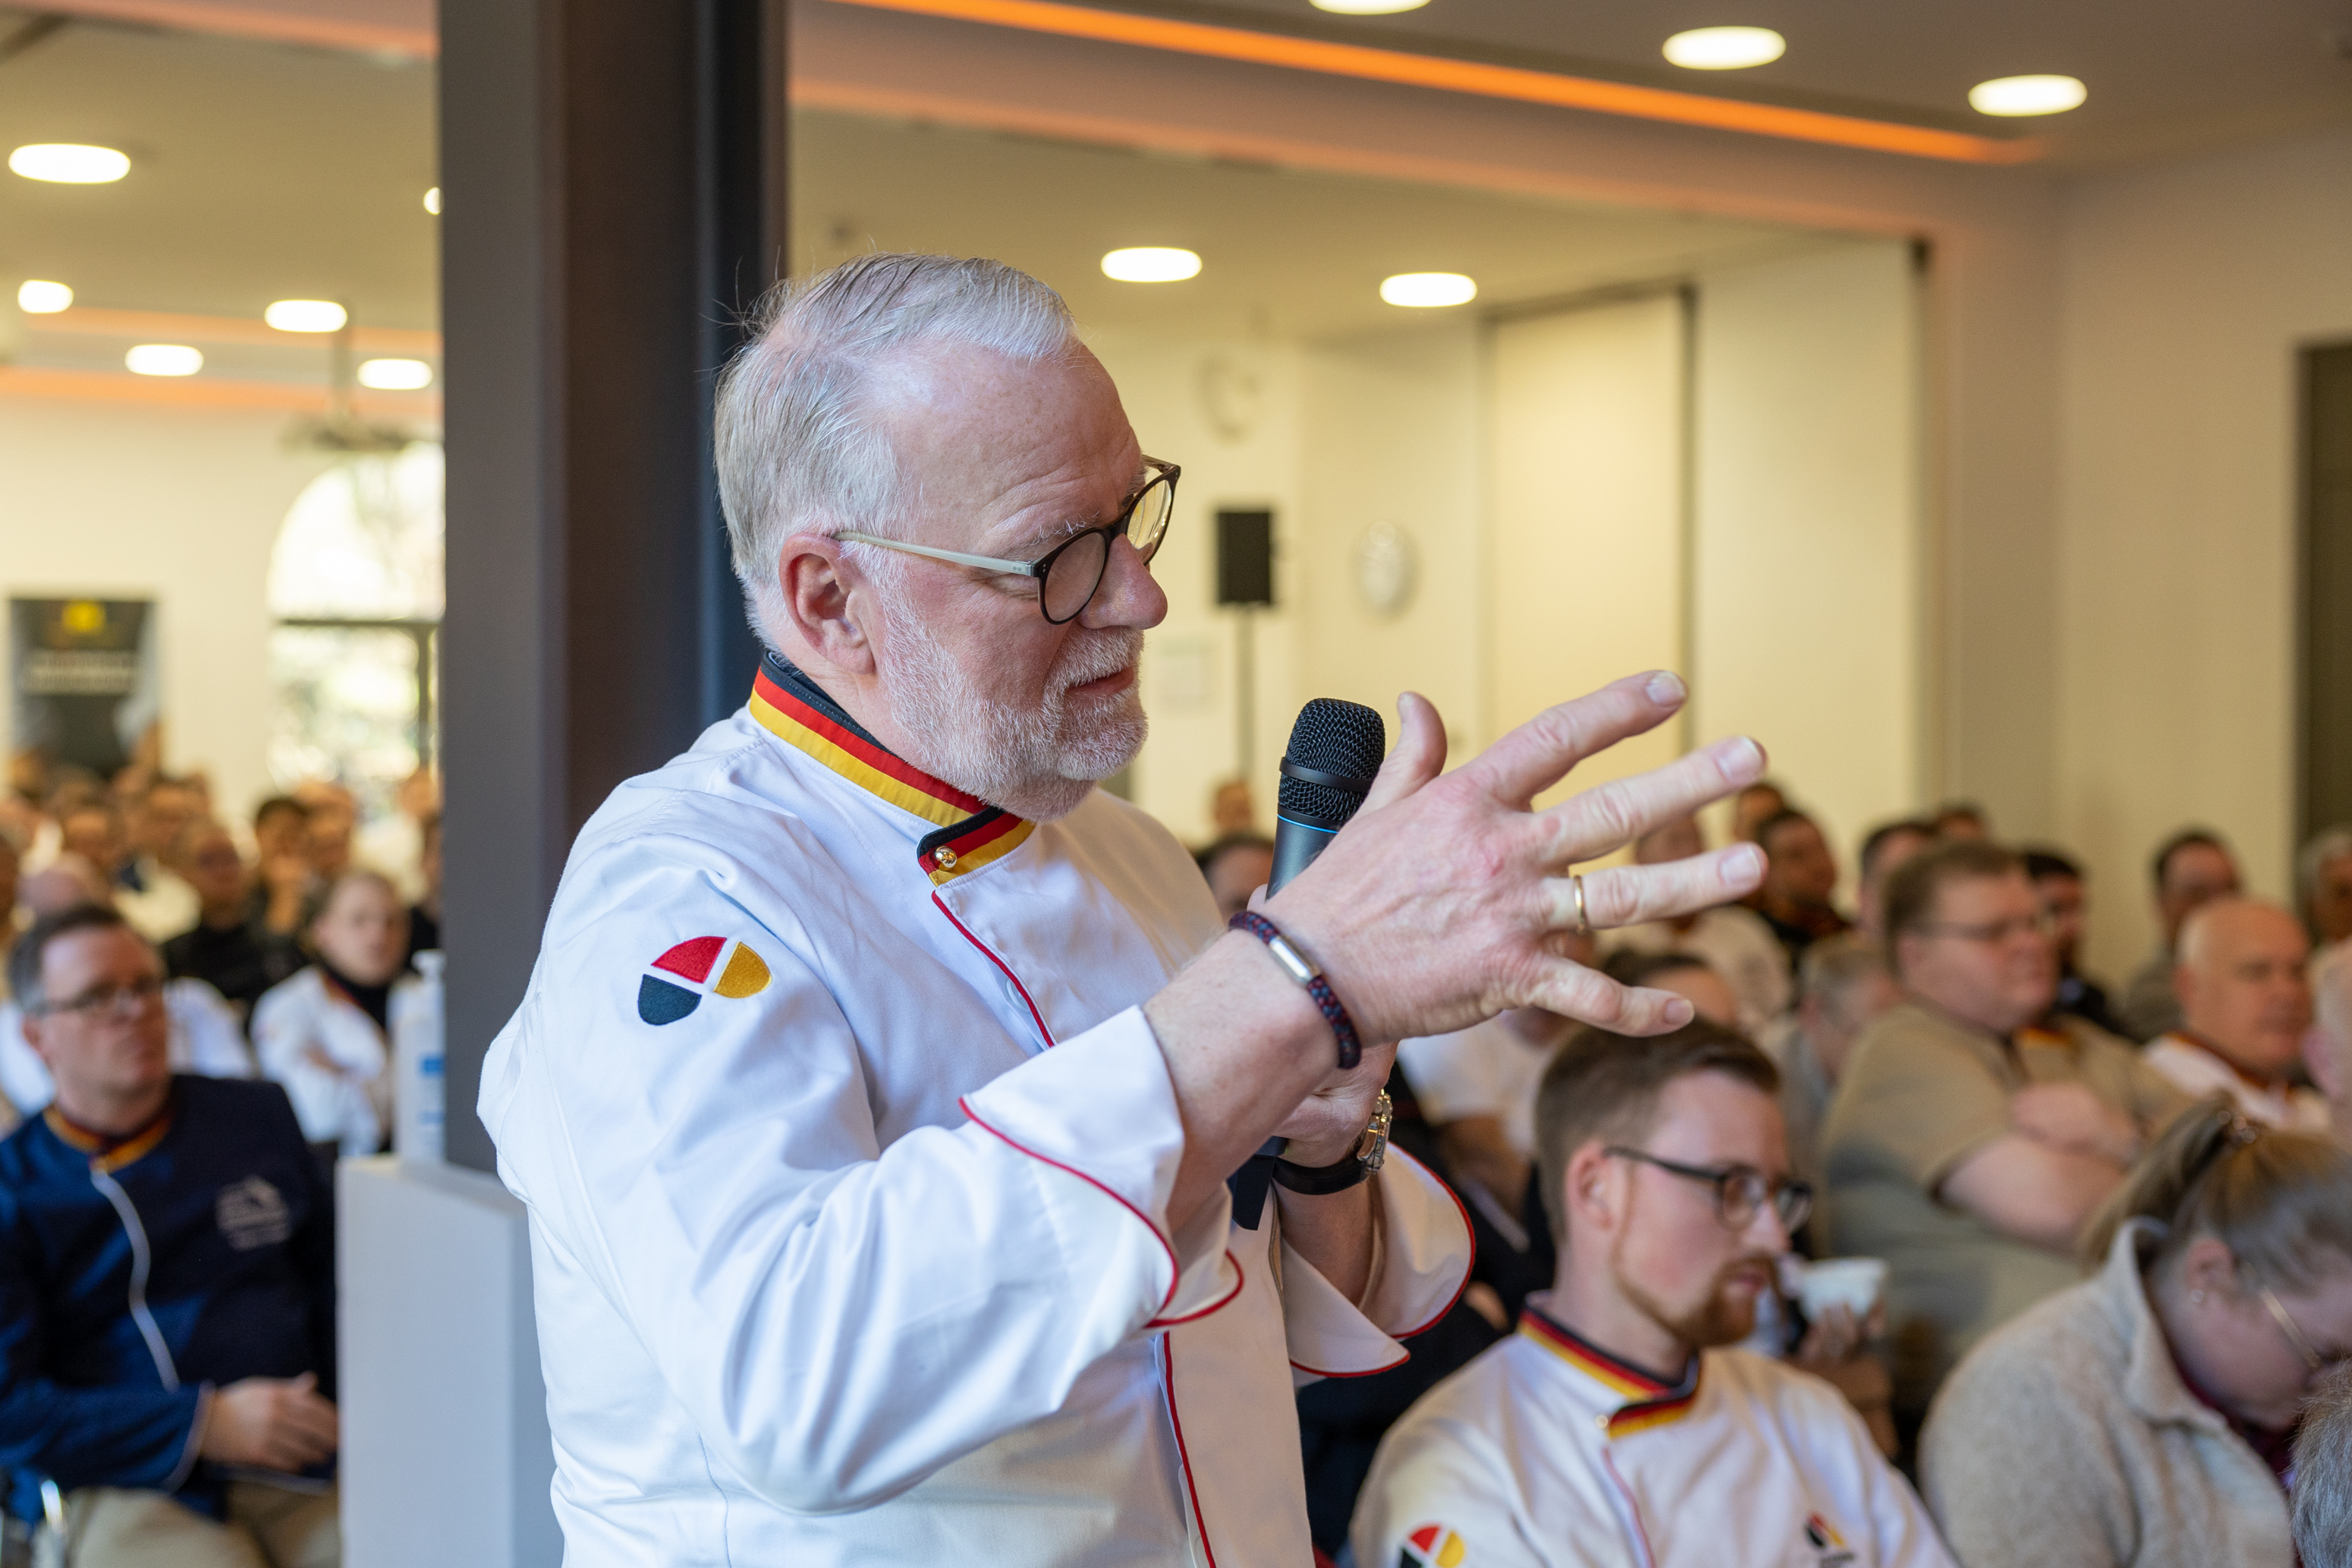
column 1245, row 557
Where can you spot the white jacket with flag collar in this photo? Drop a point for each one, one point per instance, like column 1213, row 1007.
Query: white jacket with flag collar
column 1546, row 1452
column 847, row 1161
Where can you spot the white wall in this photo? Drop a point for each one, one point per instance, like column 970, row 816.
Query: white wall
column 1808, row 564
column 2188, row 287
column 181, row 505
column 1587, row 568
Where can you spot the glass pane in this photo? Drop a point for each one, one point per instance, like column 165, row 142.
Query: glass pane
column 364, row 542
column 346, row 709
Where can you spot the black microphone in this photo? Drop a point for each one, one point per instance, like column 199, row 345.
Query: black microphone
column 1335, row 749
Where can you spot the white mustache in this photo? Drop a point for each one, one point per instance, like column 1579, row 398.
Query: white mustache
column 1102, row 654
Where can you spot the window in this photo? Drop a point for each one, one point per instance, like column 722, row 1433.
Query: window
column 355, row 588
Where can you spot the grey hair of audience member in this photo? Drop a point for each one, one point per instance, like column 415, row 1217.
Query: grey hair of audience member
column 801, row 443
column 25, row 957
column 2325, row 845
column 1834, row 966
column 2323, row 1476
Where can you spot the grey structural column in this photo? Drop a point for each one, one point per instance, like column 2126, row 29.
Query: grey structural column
column 612, row 181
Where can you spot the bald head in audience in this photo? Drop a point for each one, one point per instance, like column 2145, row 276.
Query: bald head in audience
column 2240, row 980
column 64, row 883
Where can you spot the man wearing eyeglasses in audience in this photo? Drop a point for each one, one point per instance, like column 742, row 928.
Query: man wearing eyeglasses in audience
column 1967, row 1146
column 167, row 1283
column 1615, row 1428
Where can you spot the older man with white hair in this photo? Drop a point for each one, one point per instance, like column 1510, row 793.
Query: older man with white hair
column 2245, row 1004
column 876, row 1092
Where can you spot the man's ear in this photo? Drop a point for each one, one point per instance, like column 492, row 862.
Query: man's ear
column 824, row 600
column 1594, row 1187
column 30, row 1024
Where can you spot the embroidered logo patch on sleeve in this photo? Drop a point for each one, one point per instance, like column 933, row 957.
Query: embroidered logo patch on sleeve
column 1433, row 1546
column 663, row 999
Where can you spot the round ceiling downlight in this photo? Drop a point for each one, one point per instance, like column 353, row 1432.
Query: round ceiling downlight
column 37, row 297
column 69, row 163
column 1152, row 264
column 306, row 316
column 2027, row 95
column 433, row 201
column 1427, row 291
column 1725, row 49
column 395, row 375
column 1368, row 8
column 164, row 360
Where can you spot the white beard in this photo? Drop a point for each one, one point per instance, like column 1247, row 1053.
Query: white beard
column 1038, row 763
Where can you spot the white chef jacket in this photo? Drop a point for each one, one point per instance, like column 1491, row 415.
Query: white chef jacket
column 347, row 1098
column 2200, row 1070
column 1546, row 1452
column 205, row 1037
column 847, row 1148
column 1487, row 1069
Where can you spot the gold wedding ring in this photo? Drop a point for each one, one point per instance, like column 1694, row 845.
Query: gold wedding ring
column 1583, row 919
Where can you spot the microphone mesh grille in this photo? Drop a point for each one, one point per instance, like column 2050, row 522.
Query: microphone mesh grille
column 1332, row 736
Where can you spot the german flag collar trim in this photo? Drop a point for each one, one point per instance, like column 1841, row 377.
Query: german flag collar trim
column 1649, row 1402
column 970, row 833
column 110, row 1154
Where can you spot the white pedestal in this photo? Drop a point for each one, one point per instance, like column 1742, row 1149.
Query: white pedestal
column 446, row 1455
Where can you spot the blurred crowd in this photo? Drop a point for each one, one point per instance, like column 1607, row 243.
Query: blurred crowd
column 2073, row 1252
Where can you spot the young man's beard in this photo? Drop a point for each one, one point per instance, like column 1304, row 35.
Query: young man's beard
column 1036, row 762
column 1720, row 1318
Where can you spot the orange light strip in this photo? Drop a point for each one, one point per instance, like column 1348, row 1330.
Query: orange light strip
column 260, row 24
column 157, row 326
column 203, row 391
column 1470, row 77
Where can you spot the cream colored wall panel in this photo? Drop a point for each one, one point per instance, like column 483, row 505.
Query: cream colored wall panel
column 1585, row 574
column 1807, row 539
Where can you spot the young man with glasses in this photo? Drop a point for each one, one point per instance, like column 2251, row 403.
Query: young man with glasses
column 1617, row 1428
column 875, row 1096
column 167, row 1283
column 1968, row 1140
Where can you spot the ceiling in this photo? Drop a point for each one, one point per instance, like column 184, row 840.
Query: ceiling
column 2165, row 76
column 259, row 172
column 1286, row 253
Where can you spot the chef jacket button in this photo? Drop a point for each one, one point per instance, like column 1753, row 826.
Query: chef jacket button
column 945, row 856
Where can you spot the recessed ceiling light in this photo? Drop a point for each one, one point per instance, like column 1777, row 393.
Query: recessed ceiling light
column 1152, row 264
column 1368, row 8
column 1422, row 290
column 34, row 298
column 433, row 201
column 306, row 316
column 67, row 163
column 1725, row 49
column 395, row 375
column 164, row 360
column 2027, row 95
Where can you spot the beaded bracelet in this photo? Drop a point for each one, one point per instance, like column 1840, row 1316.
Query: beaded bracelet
column 1301, row 968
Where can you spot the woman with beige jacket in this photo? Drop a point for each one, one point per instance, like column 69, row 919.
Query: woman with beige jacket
column 2147, row 1416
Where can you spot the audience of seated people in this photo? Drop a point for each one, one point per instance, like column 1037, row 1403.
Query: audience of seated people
column 167, row 1284
column 1236, row 865
column 1615, row 1426
column 2192, row 867
column 1800, row 882
column 203, row 1033
column 226, row 948
column 325, row 1034
column 1967, row 1144
column 2058, row 881
column 2147, row 1416
column 2245, row 1006
column 1842, row 988
column 1733, row 940
column 1884, row 850
column 1755, row 806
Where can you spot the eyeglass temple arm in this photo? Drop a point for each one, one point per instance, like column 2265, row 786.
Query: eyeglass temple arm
column 987, row 562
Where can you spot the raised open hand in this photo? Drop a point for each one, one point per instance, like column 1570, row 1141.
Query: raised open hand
column 1444, row 901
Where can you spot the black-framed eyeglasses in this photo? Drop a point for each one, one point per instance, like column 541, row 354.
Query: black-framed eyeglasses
column 1741, row 1191
column 1993, row 931
column 1069, row 575
column 119, row 1002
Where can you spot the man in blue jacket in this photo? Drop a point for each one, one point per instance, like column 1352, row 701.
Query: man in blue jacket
column 166, row 1282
